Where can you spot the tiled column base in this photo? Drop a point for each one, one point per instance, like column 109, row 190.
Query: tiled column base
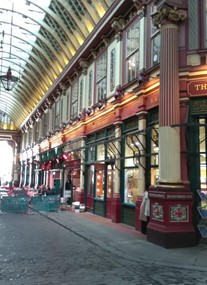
column 170, row 224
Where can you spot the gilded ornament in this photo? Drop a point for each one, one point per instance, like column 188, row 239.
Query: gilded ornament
column 172, row 14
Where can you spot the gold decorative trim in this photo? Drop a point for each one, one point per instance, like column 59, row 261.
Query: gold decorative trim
column 172, row 14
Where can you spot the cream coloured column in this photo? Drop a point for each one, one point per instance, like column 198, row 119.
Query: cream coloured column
column 170, row 222
column 169, row 109
column 169, row 137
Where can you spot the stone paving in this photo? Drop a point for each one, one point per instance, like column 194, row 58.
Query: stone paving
column 64, row 248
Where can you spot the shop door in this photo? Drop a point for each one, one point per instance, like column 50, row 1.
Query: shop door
column 90, row 188
column 109, row 188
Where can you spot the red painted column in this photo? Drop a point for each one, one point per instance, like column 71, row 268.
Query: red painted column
column 170, row 202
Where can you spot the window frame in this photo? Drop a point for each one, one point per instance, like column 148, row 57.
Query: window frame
column 135, row 53
column 74, row 99
column 101, row 77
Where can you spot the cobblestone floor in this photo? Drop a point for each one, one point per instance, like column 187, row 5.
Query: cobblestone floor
column 36, row 250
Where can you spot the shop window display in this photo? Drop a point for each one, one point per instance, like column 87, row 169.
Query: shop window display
column 110, row 180
column 154, row 155
column 131, row 185
column 90, row 182
column 131, row 169
column 100, row 184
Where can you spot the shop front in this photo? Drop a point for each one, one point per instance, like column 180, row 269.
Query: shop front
column 130, row 170
column 197, row 142
column 100, row 169
column 72, row 156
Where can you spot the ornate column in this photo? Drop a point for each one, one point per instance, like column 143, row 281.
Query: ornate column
column 171, row 204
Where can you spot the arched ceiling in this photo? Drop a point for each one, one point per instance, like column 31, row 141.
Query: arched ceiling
column 37, row 40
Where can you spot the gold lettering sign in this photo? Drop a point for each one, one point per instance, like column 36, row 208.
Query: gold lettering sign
column 196, row 88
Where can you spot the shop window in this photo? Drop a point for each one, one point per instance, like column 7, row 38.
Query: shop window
column 131, row 169
column 132, row 51
column 154, row 154
column 100, row 181
column 132, row 147
column 110, row 180
column 90, row 180
column 131, row 185
column 100, row 152
column 91, row 153
column 111, row 150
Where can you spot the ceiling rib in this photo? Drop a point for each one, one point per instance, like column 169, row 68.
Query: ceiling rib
column 40, row 39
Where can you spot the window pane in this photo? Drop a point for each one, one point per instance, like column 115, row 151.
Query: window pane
column 57, row 113
column 131, row 185
column 100, row 183
column 155, row 49
column 202, row 146
column 100, row 152
column 90, row 81
column 154, row 175
column 81, row 96
column 101, row 66
column 131, row 150
column 154, row 146
column 155, row 41
column 90, row 180
column 110, row 181
column 101, row 89
column 154, row 155
column 132, row 39
column 74, row 101
column 91, row 153
column 132, row 66
column 132, row 52
column 112, row 70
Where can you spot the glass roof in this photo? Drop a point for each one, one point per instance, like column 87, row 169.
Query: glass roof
column 38, row 38
column 20, row 23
